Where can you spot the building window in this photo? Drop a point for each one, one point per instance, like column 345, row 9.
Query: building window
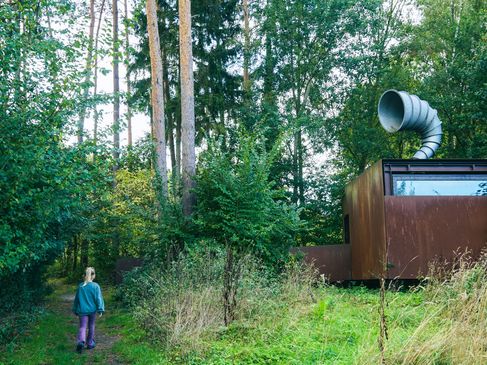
column 439, row 185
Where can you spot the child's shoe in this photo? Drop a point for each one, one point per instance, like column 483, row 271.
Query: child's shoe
column 79, row 347
column 91, row 346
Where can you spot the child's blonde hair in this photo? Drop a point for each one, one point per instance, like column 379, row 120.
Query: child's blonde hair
column 89, row 275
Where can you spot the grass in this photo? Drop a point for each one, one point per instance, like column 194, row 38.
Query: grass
column 443, row 323
column 46, row 342
column 334, row 330
column 51, row 340
column 132, row 346
column 338, row 329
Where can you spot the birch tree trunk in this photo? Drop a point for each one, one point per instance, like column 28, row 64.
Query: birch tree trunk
column 116, row 86
column 88, row 67
column 187, row 105
column 157, row 94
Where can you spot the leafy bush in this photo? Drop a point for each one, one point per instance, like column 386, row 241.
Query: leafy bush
column 240, row 210
column 180, row 307
column 238, row 205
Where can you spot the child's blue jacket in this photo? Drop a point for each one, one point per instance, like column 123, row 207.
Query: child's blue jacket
column 88, row 300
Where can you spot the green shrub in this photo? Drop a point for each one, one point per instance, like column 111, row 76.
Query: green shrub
column 239, row 207
column 181, row 306
column 241, row 211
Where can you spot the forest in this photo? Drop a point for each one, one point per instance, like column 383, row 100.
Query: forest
column 206, row 138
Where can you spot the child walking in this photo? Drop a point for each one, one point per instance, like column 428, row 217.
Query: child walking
column 87, row 302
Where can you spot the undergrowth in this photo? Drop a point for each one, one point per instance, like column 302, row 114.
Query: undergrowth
column 453, row 329
column 286, row 318
column 181, row 307
column 293, row 318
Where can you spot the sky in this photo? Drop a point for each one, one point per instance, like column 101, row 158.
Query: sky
column 140, row 121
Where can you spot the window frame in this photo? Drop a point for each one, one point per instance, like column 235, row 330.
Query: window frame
column 435, row 177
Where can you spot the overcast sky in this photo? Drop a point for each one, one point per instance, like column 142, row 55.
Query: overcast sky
column 140, row 121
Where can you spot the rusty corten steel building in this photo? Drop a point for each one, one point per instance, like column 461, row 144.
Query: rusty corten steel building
column 400, row 215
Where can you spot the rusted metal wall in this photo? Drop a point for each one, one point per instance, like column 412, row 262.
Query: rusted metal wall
column 411, row 230
column 333, row 261
column 364, row 203
column 124, row 265
column 421, row 229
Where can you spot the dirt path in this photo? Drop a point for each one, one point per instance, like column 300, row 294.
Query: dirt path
column 104, row 342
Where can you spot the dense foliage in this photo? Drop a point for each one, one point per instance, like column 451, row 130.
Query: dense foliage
column 46, row 187
column 239, row 207
column 274, row 154
column 42, row 181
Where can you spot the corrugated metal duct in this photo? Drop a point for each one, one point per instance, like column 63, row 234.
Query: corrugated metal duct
column 399, row 110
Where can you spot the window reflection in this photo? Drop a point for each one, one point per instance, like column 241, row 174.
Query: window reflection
column 440, row 185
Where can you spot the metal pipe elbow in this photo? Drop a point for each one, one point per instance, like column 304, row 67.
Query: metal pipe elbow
column 399, row 110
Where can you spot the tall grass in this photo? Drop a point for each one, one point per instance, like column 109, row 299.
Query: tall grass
column 455, row 329
column 184, row 308
column 453, row 326
column 184, row 300
column 289, row 317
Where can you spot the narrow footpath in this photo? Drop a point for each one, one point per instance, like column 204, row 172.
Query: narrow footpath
column 52, row 339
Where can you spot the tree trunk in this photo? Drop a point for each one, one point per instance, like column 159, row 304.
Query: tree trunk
column 187, row 105
column 174, row 174
column 116, row 86
column 95, row 88
column 170, row 125
column 300, row 167
column 231, row 278
column 268, row 87
column 246, row 51
column 75, row 252
column 84, row 252
column 157, row 94
column 295, row 168
column 20, row 57
column 127, row 77
column 178, row 135
column 69, row 257
column 88, row 67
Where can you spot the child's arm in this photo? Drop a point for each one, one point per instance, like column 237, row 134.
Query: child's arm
column 100, row 304
column 75, row 303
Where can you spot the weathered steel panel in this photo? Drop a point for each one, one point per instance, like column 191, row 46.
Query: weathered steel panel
column 364, row 203
column 333, row 261
column 421, row 229
column 124, row 265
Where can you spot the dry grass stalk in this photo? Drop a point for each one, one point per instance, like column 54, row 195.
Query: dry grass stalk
column 186, row 310
column 454, row 331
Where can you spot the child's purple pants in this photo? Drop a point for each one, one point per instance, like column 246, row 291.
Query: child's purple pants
column 87, row 321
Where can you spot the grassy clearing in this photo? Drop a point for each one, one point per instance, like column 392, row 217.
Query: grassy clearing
column 334, row 330
column 339, row 328
column 443, row 323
